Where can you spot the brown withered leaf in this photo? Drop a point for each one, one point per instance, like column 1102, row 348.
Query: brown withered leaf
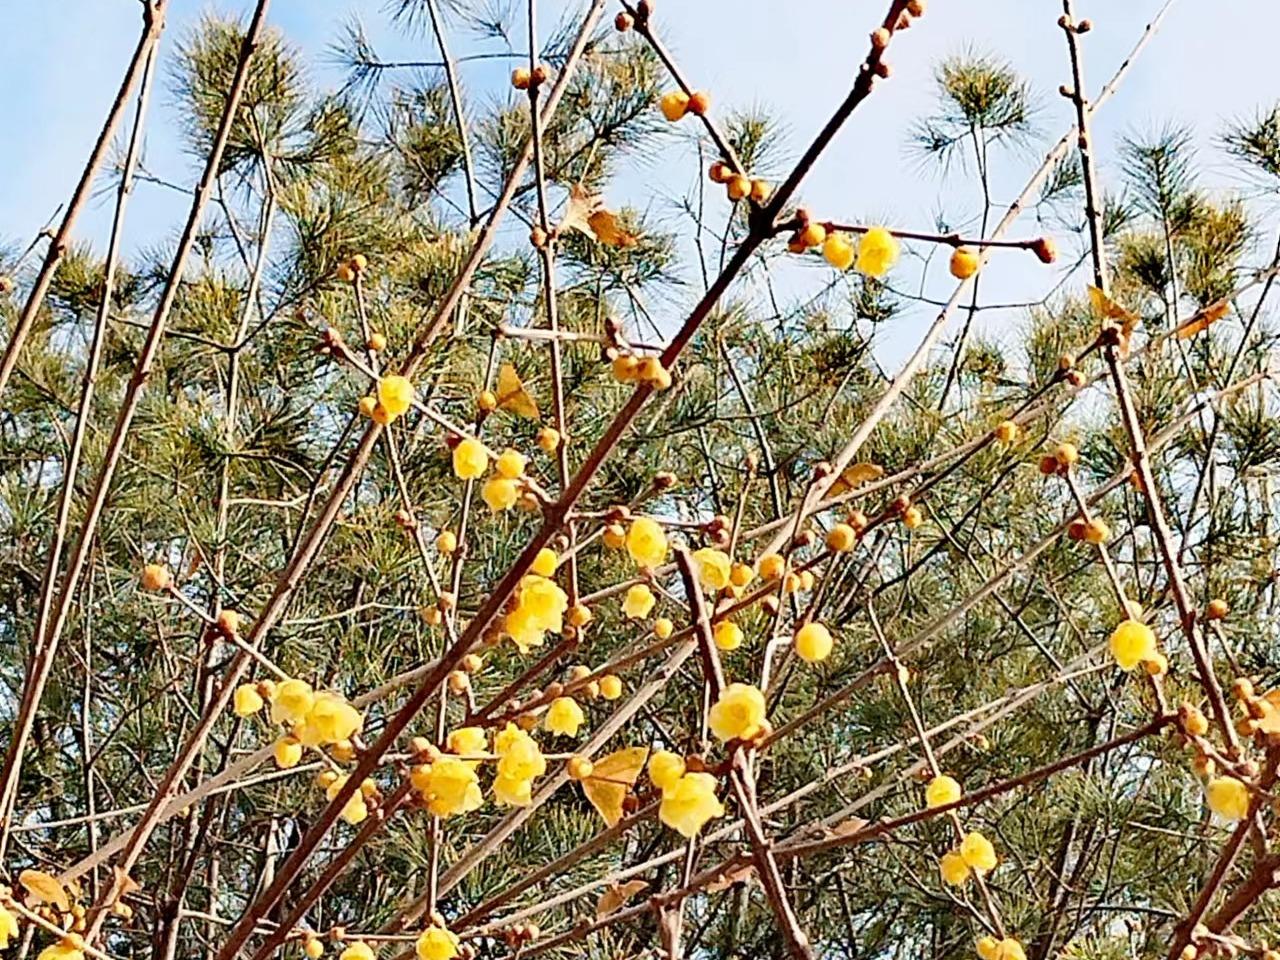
column 742, row 874
column 847, row 828
column 617, row 896
column 512, row 395
column 1203, row 320
column 1108, row 309
column 587, row 213
column 43, row 888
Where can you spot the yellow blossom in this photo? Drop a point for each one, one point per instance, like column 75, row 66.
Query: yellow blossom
column 292, row 701
column 519, row 757
column 611, row 686
column 330, row 719
column 247, row 700
column 739, row 713
column 511, row 464
column 941, row 791
column 68, row 948
column 647, row 542
column 813, row 642
column 727, row 635
column 978, row 852
column 355, row 810
column 395, row 393
column 878, row 252
column 500, row 493
column 714, row 567
column 564, row 716
column 1131, row 643
column 359, row 950
column 665, row 768
column 544, row 563
column 8, row 928
column 689, row 803
column 953, row 868
column 1010, row 949
column 639, row 601
column 468, row 741
column 1227, row 797
column 470, row 459
column 436, row 943
column 986, row 947
column 513, row 792
column 451, row 787
column 287, row 753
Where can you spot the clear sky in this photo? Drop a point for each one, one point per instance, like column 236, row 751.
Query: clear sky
column 61, row 62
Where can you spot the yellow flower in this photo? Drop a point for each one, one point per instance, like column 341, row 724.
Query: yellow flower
column 500, row 493
column 247, row 700
column 647, row 542
column 65, row 949
column 728, row 635
column 813, row 642
column 639, row 601
column 690, row 803
column 8, row 928
column 953, row 868
column 468, row 742
column 355, row 810
column 941, row 791
column 665, row 768
column 1228, row 798
column 1010, row 949
column 1131, row 643
column 520, row 627
column 611, row 686
column 331, row 719
column 519, row 757
column 877, row 253
column 674, row 105
column 436, row 943
column 987, row 947
column 714, row 567
column 395, row 393
column 287, row 753
column 511, row 464
column 772, row 566
column 564, row 716
column 513, row 792
column 544, row 564
column 540, row 606
column 739, row 713
column 292, row 701
column 451, row 787
column 470, row 459
column 978, row 852
column 838, row 250
column 359, row 950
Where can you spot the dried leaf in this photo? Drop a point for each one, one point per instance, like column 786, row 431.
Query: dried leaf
column 1203, row 320
column 43, row 888
column 847, row 828
column 742, row 874
column 617, row 896
column 512, row 396
column 586, row 213
column 857, row 473
column 611, row 780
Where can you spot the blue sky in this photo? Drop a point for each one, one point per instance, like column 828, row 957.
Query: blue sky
column 61, row 62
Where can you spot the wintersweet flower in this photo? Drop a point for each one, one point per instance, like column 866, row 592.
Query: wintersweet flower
column 978, row 852
column 739, row 713
column 470, row 460
column 1227, row 797
column 647, row 542
column 468, row 742
column 544, row 563
column 638, row 602
column 511, row 464
column 564, row 716
column 611, row 686
column 713, row 568
column 813, row 642
column 451, row 787
column 8, row 928
column 519, row 757
column 355, row 810
column 292, row 701
column 544, row 600
column 665, row 768
column 436, row 943
column 359, row 950
column 513, row 792
column 287, row 753
column 953, row 868
column 1131, row 643
column 68, row 948
column 247, row 700
column 941, row 791
column 500, row 493
column 878, row 252
column 986, row 947
column 689, row 803
column 395, row 394
column 1010, row 949
column 330, row 720
column 727, row 635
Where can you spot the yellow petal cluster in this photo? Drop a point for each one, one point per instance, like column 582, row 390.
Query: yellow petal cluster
column 647, row 542
column 564, row 716
column 713, row 568
column 519, row 761
column 689, row 802
column 638, row 602
column 449, row 786
column 395, row 395
column 739, row 713
column 878, row 252
column 330, row 719
column 436, row 943
column 1227, row 797
column 355, row 810
column 1131, row 643
column 540, row 607
column 470, row 460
